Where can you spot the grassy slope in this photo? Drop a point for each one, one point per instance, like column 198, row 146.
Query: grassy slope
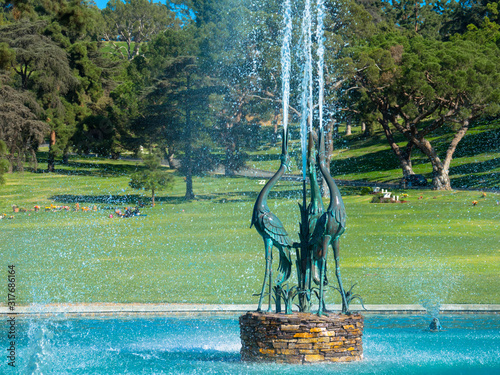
column 437, row 247
column 476, row 162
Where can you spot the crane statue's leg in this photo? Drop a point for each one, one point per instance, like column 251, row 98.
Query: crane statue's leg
column 335, row 246
column 268, row 245
column 324, row 255
column 270, row 273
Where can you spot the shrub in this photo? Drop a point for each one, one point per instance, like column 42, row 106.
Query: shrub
column 365, row 190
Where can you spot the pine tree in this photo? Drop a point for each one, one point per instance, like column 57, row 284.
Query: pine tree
column 152, row 177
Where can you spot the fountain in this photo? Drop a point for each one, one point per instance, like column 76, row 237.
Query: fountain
column 73, row 342
column 211, row 345
column 302, row 337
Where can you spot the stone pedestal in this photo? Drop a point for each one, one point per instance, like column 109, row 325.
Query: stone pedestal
column 301, row 337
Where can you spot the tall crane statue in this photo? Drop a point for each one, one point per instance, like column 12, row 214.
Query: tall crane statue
column 272, row 230
column 329, row 228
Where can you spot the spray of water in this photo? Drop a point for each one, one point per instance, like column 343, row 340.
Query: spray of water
column 321, row 58
column 306, row 99
column 307, row 104
column 286, row 62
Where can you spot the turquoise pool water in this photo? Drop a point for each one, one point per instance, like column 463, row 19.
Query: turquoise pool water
column 396, row 344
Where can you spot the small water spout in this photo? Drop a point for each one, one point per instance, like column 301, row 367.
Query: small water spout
column 40, row 351
column 435, row 325
column 433, row 308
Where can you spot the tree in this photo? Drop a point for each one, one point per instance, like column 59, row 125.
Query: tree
column 464, row 13
column 20, row 125
column 420, row 17
column 43, row 68
column 417, row 86
column 152, row 178
column 96, row 134
column 176, row 109
column 233, row 41
column 36, row 57
column 135, row 22
column 181, row 97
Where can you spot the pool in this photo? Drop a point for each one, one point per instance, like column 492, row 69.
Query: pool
column 393, row 344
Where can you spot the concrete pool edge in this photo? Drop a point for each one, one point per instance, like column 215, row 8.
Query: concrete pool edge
column 185, row 308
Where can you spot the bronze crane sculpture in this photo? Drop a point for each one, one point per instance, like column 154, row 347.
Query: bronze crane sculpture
column 329, row 228
column 315, row 208
column 272, row 230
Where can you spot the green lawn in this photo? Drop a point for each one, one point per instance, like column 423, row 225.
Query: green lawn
column 439, row 247
column 476, row 162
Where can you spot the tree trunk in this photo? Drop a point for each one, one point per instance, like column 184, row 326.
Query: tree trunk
column 404, row 156
column 363, row 127
column 10, row 159
column 34, row 161
column 189, row 183
column 52, row 154
column 440, row 171
column 276, row 120
column 440, row 178
column 65, row 157
column 348, row 129
column 188, row 150
column 229, row 162
column 153, row 197
column 170, row 159
column 274, row 136
column 325, row 192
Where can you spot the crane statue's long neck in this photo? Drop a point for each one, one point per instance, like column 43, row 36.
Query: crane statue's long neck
column 262, row 198
column 335, row 197
column 316, row 202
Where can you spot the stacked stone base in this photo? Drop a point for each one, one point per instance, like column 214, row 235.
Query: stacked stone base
column 301, row 338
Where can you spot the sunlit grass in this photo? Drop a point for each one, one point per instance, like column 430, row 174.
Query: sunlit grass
column 437, row 245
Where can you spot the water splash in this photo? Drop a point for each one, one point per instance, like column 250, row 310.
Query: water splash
column 40, row 352
column 320, row 34
column 306, row 98
column 211, row 344
column 286, row 62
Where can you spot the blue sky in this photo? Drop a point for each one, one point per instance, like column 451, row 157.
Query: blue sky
column 101, row 3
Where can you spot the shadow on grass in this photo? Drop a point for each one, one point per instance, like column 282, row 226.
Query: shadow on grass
column 376, row 161
column 479, row 167
column 488, row 181
column 231, row 197
column 93, row 169
column 108, row 199
column 478, row 143
column 468, row 178
column 132, row 199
